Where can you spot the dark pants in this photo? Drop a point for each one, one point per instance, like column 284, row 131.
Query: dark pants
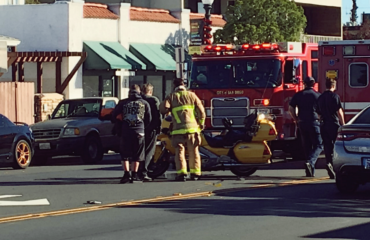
column 150, row 140
column 311, row 140
column 329, row 134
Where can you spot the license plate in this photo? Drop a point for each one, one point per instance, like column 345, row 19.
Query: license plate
column 366, row 163
column 44, row 145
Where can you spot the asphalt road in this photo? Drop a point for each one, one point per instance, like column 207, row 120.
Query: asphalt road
column 275, row 203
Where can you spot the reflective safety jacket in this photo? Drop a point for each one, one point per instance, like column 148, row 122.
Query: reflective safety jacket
column 186, row 109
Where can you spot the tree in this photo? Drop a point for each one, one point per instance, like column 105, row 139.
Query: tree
column 353, row 18
column 257, row 21
column 364, row 32
column 32, row 2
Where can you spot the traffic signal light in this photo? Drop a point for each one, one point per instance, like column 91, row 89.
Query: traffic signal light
column 207, row 36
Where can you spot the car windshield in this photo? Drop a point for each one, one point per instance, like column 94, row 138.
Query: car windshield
column 243, row 73
column 363, row 118
column 78, row 108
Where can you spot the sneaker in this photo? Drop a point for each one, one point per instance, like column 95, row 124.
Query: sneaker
column 330, row 170
column 147, row 179
column 126, row 178
column 181, row 178
column 135, row 178
column 309, row 172
column 194, row 177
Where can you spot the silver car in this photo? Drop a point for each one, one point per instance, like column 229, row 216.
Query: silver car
column 77, row 127
column 351, row 160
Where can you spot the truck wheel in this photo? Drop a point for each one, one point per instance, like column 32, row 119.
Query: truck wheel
column 22, row 155
column 243, row 171
column 156, row 169
column 92, row 151
column 346, row 184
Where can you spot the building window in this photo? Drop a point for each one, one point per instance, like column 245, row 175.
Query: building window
column 314, row 70
column 107, row 88
column 288, row 72
column 314, row 54
column 304, row 69
column 91, row 86
column 358, row 74
column 96, row 86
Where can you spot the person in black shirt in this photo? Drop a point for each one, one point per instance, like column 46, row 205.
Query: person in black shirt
column 308, row 123
column 135, row 113
column 331, row 111
column 152, row 130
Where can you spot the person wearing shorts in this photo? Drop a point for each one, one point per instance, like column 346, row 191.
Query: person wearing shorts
column 135, row 112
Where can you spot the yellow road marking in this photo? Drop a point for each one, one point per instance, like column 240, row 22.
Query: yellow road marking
column 150, row 200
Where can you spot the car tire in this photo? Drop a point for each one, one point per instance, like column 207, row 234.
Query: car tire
column 92, row 151
column 346, row 184
column 39, row 160
column 243, row 171
column 22, row 155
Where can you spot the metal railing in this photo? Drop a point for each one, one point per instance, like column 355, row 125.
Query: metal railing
column 316, row 38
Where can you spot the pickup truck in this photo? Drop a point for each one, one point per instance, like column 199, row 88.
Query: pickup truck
column 76, row 127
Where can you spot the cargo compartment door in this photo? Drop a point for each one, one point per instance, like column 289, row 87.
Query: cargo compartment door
column 354, row 88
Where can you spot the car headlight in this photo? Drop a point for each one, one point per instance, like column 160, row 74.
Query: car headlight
column 71, row 131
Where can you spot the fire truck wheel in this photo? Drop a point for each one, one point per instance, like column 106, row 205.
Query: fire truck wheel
column 243, row 171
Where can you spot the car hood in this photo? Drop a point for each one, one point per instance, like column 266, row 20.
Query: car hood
column 59, row 123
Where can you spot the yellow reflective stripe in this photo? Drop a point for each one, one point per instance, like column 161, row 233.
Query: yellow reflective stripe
column 185, row 131
column 181, row 93
column 195, row 171
column 182, row 171
column 180, row 108
column 201, row 121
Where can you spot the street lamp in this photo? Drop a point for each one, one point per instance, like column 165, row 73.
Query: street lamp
column 207, row 4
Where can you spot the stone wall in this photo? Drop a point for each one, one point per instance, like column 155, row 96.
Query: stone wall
column 45, row 104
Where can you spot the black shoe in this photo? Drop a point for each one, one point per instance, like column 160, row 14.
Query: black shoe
column 309, row 172
column 126, row 178
column 181, row 178
column 194, row 177
column 330, row 170
column 135, row 178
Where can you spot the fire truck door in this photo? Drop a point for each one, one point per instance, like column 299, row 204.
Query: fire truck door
column 354, row 88
column 292, row 69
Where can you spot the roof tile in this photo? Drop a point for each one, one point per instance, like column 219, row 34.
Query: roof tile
column 217, row 20
column 152, row 15
column 96, row 10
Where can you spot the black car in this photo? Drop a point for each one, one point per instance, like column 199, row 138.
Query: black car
column 16, row 143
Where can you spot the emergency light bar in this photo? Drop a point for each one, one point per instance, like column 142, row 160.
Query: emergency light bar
column 264, row 47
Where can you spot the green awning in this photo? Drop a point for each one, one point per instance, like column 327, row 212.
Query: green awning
column 155, row 56
column 109, row 55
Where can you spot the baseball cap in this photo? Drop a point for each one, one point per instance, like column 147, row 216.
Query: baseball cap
column 309, row 79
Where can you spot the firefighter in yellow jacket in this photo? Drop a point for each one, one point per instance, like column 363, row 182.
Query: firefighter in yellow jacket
column 188, row 118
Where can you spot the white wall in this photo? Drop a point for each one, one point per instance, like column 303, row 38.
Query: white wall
column 40, row 27
column 150, row 32
column 75, row 33
column 100, row 29
column 47, row 27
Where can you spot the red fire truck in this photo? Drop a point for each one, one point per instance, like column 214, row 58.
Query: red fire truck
column 233, row 81
column 348, row 61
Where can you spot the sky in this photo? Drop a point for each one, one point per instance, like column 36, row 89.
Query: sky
column 363, row 6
